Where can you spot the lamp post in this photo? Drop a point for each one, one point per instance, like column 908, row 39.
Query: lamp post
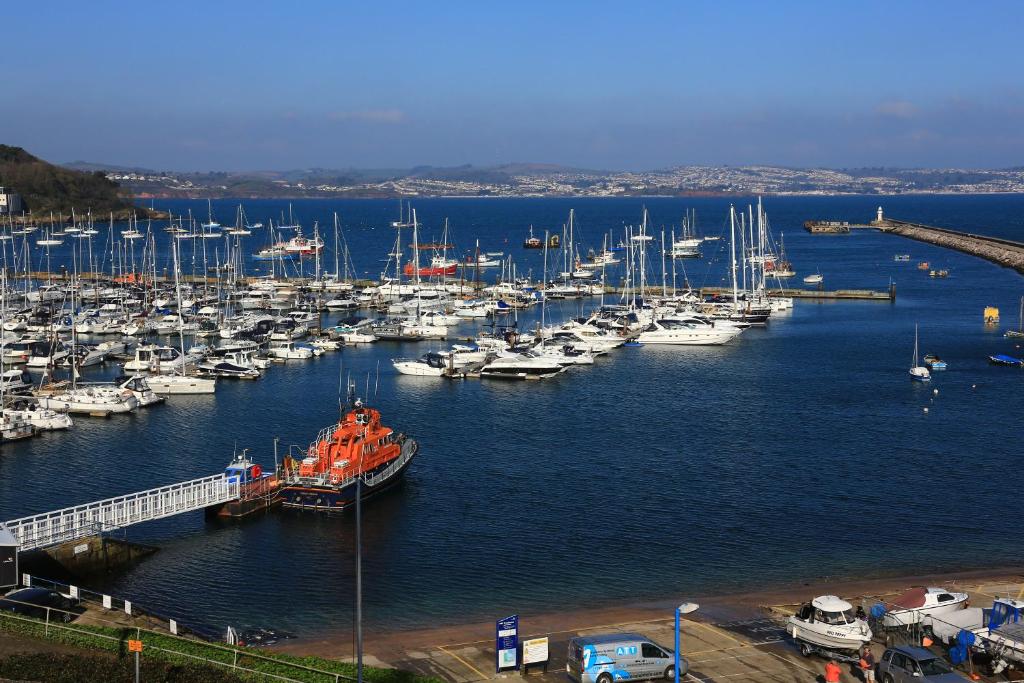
column 684, row 608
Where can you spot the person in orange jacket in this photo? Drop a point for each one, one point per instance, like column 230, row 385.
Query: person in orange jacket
column 832, row 672
column 867, row 665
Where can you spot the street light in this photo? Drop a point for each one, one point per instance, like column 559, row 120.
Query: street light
column 684, row 608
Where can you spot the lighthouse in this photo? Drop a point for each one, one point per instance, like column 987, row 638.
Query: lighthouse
column 878, row 218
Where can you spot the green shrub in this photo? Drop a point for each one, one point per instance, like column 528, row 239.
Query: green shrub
column 46, row 668
column 183, row 651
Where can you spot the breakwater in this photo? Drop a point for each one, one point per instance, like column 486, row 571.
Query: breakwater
column 1004, row 252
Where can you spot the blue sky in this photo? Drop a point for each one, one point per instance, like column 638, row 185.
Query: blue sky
column 261, row 85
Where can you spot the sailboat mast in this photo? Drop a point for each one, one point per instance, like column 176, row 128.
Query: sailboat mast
column 732, row 245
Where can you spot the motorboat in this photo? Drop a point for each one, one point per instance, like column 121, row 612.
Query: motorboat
column 140, row 388
column 18, row 351
column 289, row 350
column 828, row 622
column 1003, row 359
column 917, row 603
column 92, row 400
column 47, row 354
column 687, row 332
column 325, row 344
column 564, row 354
column 814, row 279
column 155, row 359
column 471, row 309
column 43, row 419
column 933, row 362
column 181, row 384
column 15, row 428
column 232, row 360
column 85, row 356
column 527, row 365
column 429, row 365
column 15, row 381
column 341, row 304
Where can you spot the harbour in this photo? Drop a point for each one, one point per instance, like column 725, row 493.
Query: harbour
column 278, row 406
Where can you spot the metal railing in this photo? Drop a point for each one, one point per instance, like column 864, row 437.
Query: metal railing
column 73, row 523
column 57, row 622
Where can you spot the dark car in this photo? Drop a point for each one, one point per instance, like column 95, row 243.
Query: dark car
column 33, row 602
column 907, row 664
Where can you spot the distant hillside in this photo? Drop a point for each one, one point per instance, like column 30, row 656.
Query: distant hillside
column 89, row 167
column 44, row 187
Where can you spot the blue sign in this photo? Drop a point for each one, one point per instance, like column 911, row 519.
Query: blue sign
column 506, row 643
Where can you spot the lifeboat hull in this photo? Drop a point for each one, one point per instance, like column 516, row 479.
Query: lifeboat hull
column 341, row 498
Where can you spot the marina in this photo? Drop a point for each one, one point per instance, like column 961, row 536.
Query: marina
column 294, row 398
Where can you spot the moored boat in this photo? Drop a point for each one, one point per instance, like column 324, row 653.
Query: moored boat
column 358, row 456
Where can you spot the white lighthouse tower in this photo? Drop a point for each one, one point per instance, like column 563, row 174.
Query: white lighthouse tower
column 878, row 218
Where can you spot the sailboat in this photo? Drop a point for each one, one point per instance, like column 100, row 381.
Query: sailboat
column 918, row 373
column 1019, row 332
column 782, row 267
column 180, row 381
column 210, row 224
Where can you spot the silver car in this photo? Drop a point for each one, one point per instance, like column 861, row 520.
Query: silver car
column 907, row 664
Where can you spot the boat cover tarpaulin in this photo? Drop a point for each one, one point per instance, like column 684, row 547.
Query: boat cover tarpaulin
column 912, row 599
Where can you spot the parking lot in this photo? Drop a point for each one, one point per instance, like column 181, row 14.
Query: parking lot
column 752, row 646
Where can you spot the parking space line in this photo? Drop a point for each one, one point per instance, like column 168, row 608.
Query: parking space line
column 477, row 671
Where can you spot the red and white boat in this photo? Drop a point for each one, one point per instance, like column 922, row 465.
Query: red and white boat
column 438, row 266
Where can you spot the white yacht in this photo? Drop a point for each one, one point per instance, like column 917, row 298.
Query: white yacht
column 181, row 384
column 428, row 365
column 521, row 366
column 687, row 332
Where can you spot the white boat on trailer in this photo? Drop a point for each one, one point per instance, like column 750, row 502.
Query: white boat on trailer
column 917, row 603
column 827, row 623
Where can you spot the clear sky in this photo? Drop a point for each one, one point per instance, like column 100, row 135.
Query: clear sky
column 219, row 85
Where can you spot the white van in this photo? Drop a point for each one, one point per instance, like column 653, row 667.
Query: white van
column 616, row 656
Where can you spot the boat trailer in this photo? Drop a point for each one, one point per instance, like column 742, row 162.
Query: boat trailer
column 807, row 649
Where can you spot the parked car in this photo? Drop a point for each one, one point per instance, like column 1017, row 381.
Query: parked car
column 33, row 602
column 617, row 656
column 905, row 664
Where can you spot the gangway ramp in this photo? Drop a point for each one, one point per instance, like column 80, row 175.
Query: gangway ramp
column 81, row 521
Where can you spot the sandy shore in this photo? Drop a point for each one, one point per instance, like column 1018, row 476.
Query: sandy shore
column 383, row 645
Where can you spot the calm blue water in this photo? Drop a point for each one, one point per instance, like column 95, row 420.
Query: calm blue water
column 801, row 451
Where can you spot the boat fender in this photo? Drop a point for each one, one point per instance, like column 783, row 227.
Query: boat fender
column 255, row 471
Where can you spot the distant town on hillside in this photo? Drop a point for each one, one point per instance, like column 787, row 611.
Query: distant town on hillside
column 541, row 180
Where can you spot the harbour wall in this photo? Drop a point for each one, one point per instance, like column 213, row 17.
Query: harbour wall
column 1006, row 253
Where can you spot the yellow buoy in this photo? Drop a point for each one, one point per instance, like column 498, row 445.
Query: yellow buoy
column 991, row 315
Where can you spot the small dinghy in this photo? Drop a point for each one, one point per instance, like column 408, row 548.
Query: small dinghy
column 828, row 623
column 918, row 603
column 1003, row 359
